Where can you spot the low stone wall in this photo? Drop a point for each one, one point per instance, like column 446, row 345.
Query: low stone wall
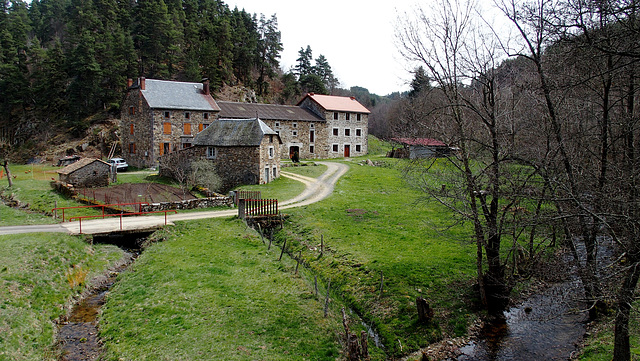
column 189, row 204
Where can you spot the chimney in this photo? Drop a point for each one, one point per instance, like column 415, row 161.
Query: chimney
column 129, row 82
column 353, row 98
column 205, row 86
column 142, row 83
column 312, row 94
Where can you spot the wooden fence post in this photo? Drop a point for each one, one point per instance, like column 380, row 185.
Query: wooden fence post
column 241, row 206
column 284, row 246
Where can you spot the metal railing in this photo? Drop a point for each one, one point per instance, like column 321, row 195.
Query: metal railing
column 80, row 218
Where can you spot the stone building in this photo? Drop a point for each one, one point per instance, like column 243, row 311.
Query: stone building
column 87, row 172
column 299, row 129
column 347, row 123
column 244, row 151
column 159, row 117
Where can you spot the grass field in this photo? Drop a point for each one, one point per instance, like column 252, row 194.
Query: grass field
column 373, row 224
column 39, row 275
column 204, row 295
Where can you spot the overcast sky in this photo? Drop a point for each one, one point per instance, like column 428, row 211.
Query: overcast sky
column 356, row 37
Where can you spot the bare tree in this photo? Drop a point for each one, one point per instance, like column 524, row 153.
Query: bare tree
column 469, row 108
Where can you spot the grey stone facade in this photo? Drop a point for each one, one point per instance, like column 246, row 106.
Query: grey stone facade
column 152, row 125
column 86, row 173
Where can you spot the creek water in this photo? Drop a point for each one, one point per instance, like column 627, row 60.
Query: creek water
column 78, row 333
column 546, row 326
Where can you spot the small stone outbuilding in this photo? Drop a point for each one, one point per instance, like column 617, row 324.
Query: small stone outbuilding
column 244, row 151
column 87, row 172
column 415, row 148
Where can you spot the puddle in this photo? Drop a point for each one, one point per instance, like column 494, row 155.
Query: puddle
column 78, row 333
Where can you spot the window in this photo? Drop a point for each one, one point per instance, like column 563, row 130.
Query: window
column 211, row 153
column 347, row 116
column 335, row 148
column 270, row 152
column 132, row 148
column 311, row 126
column 167, row 115
column 200, row 127
column 347, row 132
column 205, row 116
column 312, row 149
column 335, row 131
column 187, row 115
column 335, row 115
column 186, row 145
column 166, row 127
column 312, row 136
column 295, row 125
column 294, row 133
column 187, row 128
column 166, row 148
column 131, row 128
column 271, row 139
column 358, row 148
column 132, row 110
column 206, row 125
column 275, row 172
column 277, row 124
column 359, row 117
column 358, row 132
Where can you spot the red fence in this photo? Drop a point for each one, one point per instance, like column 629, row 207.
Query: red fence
column 80, row 218
column 103, row 206
column 257, row 208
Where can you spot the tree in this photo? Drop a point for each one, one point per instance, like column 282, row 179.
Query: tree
column 446, row 41
column 269, row 48
column 304, row 62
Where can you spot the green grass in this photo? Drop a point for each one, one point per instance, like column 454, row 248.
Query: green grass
column 599, row 344
column 372, row 224
column 377, row 146
column 282, row 188
column 16, row 217
column 312, row 170
column 215, row 295
column 35, row 285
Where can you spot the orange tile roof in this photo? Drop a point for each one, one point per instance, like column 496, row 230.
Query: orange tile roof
column 336, row 103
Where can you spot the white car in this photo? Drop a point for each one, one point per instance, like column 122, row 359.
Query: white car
column 121, row 164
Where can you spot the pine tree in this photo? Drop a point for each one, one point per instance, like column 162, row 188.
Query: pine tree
column 269, row 48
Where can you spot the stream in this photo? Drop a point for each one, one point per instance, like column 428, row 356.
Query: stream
column 546, row 326
column 78, row 332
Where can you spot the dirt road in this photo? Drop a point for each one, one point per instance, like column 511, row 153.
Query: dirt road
column 316, row 189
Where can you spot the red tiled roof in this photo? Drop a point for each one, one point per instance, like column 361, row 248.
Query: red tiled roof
column 336, row 103
column 428, row 142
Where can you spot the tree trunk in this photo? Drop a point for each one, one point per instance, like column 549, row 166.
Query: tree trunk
column 5, row 165
column 626, row 295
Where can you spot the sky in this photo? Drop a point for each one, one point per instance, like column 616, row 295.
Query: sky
column 356, row 37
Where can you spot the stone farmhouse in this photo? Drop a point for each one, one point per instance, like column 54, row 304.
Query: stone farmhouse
column 159, row 117
column 244, row 151
column 86, row 172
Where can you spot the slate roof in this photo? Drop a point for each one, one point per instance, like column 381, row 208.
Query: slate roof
column 234, row 133
column 427, row 142
column 166, row 94
column 336, row 103
column 238, row 110
column 80, row 164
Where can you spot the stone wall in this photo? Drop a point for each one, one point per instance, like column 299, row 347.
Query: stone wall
column 270, row 154
column 189, row 204
column 352, row 133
